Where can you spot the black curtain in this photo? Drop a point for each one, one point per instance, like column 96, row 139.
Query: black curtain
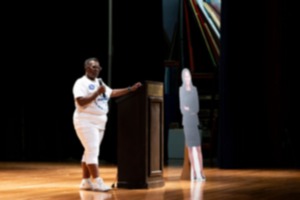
column 257, row 62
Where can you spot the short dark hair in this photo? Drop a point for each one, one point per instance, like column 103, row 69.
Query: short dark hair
column 88, row 60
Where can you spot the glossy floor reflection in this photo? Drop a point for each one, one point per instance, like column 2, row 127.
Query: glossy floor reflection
column 45, row 181
column 90, row 195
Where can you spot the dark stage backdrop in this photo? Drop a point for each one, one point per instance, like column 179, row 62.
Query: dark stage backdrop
column 256, row 86
column 44, row 47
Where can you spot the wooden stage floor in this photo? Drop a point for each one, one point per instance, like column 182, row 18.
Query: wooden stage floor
column 44, row 181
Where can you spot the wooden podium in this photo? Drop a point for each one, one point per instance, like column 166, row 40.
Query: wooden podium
column 140, row 137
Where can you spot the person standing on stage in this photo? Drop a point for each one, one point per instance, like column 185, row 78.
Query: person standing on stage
column 91, row 97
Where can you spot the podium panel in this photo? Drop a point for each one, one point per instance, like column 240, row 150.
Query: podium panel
column 140, row 137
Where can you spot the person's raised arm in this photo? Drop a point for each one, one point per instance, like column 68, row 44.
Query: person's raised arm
column 123, row 91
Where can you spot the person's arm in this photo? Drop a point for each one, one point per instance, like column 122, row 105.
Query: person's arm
column 123, row 91
column 82, row 101
column 180, row 101
column 196, row 101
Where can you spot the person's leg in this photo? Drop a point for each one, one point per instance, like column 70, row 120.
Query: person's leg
column 92, row 149
column 93, row 170
column 85, row 170
column 89, row 170
column 84, row 135
column 191, row 158
column 200, row 158
column 86, row 182
column 195, row 157
column 90, row 138
column 92, row 155
column 196, row 162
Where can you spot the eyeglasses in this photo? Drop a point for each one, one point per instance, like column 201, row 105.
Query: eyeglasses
column 97, row 66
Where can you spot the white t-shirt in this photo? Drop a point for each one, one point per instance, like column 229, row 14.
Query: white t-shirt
column 96, row 110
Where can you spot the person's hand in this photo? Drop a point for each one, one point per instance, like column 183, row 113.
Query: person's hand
column 135, row 86
column 101, row 90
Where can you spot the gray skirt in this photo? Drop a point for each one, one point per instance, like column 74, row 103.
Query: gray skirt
column 192, row 136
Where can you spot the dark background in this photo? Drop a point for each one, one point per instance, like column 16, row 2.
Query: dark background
column 44, row 46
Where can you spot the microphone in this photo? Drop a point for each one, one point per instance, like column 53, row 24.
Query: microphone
column 101, row 84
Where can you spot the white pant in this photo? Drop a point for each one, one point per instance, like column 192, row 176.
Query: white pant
column 90, row 137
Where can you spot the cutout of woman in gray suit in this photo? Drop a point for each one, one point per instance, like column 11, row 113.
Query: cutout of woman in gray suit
column 189, row 107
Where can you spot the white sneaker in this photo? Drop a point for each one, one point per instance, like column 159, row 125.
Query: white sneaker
column 86, row 184
column 200, row 179
column 100, row 186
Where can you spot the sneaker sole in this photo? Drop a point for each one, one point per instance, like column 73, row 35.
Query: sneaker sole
column 88, row 189
column 97, row 190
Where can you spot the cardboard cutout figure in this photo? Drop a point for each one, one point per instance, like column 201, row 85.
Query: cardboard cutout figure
column 189, row 107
